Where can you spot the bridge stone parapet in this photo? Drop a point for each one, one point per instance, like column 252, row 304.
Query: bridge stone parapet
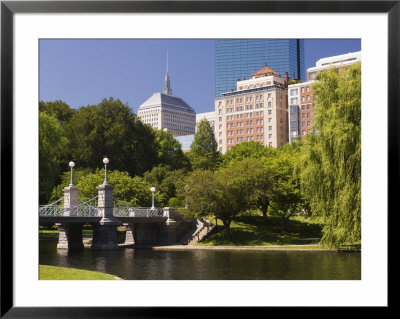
column 70, row 200
column 70, row 235
column 129, row 234
column 105, row 232
column 105, row 201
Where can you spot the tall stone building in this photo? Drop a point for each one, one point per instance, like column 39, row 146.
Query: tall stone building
column 256, row 111
column 165, row 111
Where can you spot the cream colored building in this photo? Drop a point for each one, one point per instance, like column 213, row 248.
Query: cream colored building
column 256, row 111
column 168, row 112
column 209, row 116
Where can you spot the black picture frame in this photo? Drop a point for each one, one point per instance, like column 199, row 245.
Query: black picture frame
column 9, row 8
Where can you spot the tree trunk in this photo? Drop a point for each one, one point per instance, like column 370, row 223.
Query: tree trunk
column 285, row 224
column 264, row 213
column 227, row 224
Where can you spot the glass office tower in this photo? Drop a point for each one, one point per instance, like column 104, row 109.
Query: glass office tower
column 239, row 59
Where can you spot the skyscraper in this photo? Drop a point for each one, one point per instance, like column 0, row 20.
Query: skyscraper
column 237, row 59
column 168, row 112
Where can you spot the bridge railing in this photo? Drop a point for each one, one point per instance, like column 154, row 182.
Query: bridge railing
column 84, row 209
column 89, row 209
column 123, row 210
column 53, row 209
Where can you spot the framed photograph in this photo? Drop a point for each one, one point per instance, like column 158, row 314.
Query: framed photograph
column 26, row 25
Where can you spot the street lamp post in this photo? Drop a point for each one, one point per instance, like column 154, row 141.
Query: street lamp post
column 105, row 161
column 152, row 197
column 71, row 164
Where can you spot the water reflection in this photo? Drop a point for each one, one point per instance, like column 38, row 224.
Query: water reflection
column 146, row 264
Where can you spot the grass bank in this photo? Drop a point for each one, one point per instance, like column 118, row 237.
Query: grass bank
column 60, row 273
column 260, row 231
column 269, row 232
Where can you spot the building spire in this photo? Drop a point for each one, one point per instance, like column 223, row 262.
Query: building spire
column 167, row 86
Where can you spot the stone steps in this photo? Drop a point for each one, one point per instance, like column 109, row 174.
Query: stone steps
column 201, row 232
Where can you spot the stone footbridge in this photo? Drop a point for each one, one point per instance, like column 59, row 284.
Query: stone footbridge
column 144, row 226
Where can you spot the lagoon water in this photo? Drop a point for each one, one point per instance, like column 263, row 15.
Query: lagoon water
column 147, row 264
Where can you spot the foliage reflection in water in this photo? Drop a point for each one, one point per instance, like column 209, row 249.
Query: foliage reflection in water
column 138, row 264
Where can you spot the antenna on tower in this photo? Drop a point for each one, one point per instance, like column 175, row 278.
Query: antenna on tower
column 167, row 87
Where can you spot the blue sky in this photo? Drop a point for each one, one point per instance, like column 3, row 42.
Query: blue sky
column 83, row 72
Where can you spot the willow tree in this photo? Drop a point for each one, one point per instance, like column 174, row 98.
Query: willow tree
column 331, row 174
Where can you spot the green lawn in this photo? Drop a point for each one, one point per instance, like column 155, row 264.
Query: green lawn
column 258, row 230
column 61, row 273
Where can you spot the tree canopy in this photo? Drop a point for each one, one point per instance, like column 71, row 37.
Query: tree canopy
column 285, row 196
column 52, row 143
column 224, row 193
column 169, row 151
column 58, row 109
column 203, row 151
column 244, row 150
column 132, row 191
column 111, row 129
